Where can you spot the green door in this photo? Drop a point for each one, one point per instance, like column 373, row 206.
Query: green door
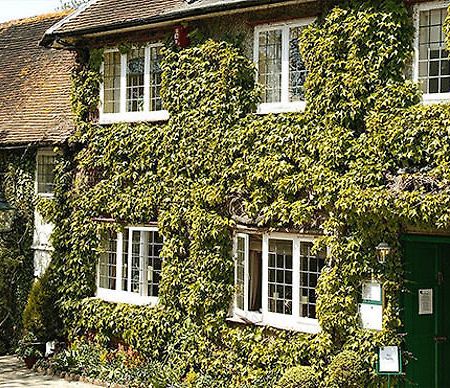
column 427, row 311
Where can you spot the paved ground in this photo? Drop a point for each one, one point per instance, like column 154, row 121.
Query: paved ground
column 13, row 374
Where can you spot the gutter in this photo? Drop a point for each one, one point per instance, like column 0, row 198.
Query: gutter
column 175, row 16
column 16, row 147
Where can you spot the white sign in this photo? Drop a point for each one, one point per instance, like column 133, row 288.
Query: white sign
column 371, row 291
column 389, row 360
column 371, row 316
column 426, row 301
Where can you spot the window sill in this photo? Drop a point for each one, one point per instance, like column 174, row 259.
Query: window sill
column 278, row 321
column 246, row 317
column 436, row 98
column 304, row 325
column 281, row 108
column 112, row 118
column 125, row 297
column 45, row 248
column 46, row 195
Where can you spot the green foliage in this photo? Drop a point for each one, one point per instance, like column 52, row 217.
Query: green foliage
column 299, row 377
column 16, row 256
column 120, row 365
column 351, row 167
column 347, row 370
column 27, row 347
column 40, row 315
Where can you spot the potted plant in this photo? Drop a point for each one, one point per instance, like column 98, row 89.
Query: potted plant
column 28, row 350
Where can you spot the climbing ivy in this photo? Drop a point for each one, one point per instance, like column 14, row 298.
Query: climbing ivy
column 16, row 257
column 351, row 167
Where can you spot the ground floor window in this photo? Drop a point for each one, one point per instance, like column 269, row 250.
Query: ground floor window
column 129, row 266
column 276, row 276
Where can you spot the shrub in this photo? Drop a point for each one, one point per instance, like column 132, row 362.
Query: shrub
column 27, row 347
column 40, row 315
column 346, row 370
column 299, row 377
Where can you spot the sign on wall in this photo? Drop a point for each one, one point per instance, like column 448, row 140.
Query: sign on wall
column 426, row 301
column 371, row 307
column 389, row 360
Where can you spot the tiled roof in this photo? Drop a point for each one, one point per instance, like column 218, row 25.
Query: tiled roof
column 100, row 13
column 107, row 15
column 34, row 84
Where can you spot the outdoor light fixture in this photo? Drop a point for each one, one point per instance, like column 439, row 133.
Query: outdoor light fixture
column 7, row 213
column 383, row 250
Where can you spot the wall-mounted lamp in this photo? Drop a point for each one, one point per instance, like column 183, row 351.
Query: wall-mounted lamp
column 383, row 250
column 7, row 213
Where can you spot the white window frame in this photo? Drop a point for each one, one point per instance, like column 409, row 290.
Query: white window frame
column 118, row 295
column 123, row 115
column 42, row 152
column 265, row 317
column 253, row 316
column 428, row 98
column 284, row 105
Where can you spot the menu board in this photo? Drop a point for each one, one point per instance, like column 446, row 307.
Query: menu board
column 371, row 292
column 371, row 316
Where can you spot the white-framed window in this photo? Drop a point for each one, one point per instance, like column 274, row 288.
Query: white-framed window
column 276, row 276
column 131, row 85
column 129, row 266
column 431, row 64
column 280, row 69
column 45, row 172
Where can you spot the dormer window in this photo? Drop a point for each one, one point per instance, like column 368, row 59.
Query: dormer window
column 281, row 71
column 132, row 85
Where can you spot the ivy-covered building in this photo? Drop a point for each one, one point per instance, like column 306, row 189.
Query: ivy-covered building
column 35, row 117
column 257, row 193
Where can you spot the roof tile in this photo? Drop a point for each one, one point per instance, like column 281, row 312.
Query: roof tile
column 101, row 15
column 34, row 84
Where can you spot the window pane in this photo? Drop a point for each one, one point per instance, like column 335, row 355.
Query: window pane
column 280, row 287
column 432, row 54
column 297, row 70
column 135, row 80
column 111, row 83
column 45, row 173
column 155, row 79
column 137, row 255
column 108, row 262
column 154, row 264
column 146, row 262
column 445, row 85
column 240, row 276
column 269, row 65
column 125, row 276
column 310, row 269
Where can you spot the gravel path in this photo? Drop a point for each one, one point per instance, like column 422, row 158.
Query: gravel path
column 13, row 374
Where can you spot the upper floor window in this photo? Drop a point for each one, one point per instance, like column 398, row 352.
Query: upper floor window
column 45, row 176
column 129, row 266
column 275, row 278
column 432, row 65
column 131, row 85
column 281, row 71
